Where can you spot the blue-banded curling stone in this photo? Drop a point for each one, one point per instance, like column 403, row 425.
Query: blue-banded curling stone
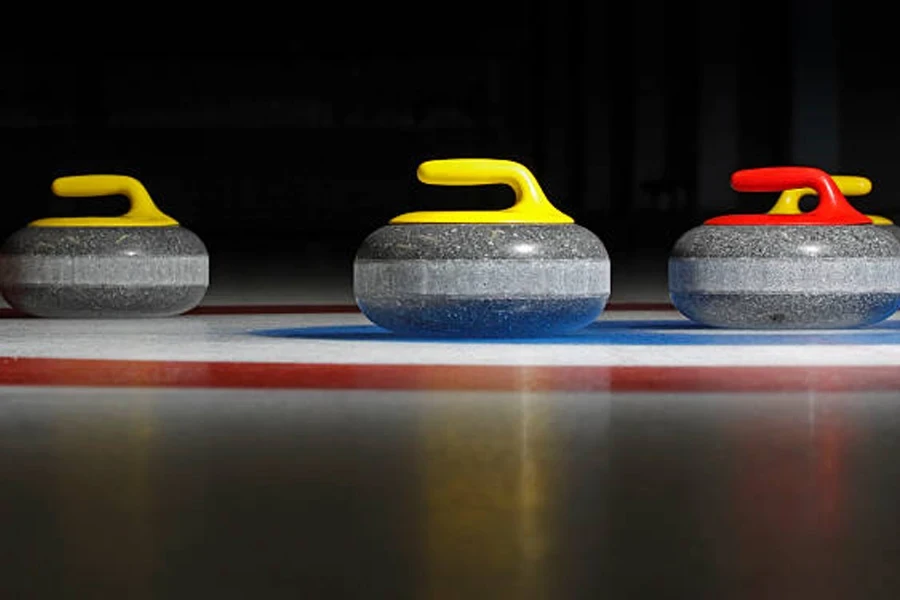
column 525, row 271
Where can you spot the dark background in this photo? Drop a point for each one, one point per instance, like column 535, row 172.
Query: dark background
column 306, row 137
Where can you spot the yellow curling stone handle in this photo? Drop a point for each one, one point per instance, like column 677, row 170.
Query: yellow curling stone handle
column 789, row 201
column 143, row 212
column 531, row 205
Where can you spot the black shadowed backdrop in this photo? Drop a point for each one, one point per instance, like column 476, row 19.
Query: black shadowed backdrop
column 291, row 146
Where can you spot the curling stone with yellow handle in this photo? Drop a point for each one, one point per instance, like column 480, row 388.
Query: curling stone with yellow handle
column 525, row 271
column 825, row 269
column 850, row 185
column 140, row 264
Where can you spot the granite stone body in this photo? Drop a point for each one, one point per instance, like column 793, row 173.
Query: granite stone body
column 481, row 280
column 786, row 277
column 104, row 272
column 895, row 231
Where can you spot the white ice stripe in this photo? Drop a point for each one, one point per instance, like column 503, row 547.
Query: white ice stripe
column 781, row 275
column 463, row 277
column 229, row 338
column 104, row 270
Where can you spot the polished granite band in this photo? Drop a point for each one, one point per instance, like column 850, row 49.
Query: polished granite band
column 90, row 270
column 483, row 279
column 785, row 275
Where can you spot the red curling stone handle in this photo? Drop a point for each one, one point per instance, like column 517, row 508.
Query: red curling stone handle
column 833, row 208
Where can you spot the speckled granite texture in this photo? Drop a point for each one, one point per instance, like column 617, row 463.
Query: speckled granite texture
column 103, row 272
column 895, row 231
column 479, row 280
column 783, row 277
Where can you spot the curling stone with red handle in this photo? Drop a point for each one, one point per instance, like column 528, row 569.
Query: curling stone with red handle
column 828, row 268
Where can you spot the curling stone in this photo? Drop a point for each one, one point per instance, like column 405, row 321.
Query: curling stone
column 525, row 271
column 828, row 268
column 789, row 201
column 140, row 264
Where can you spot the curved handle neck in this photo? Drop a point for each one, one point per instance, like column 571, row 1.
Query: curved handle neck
column 789, row 201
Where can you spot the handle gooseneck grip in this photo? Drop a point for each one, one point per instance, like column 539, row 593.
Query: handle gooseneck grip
column 833, row 208
column 850, row 185
column 789, row 201
column 142, row 213
column 531, row 205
